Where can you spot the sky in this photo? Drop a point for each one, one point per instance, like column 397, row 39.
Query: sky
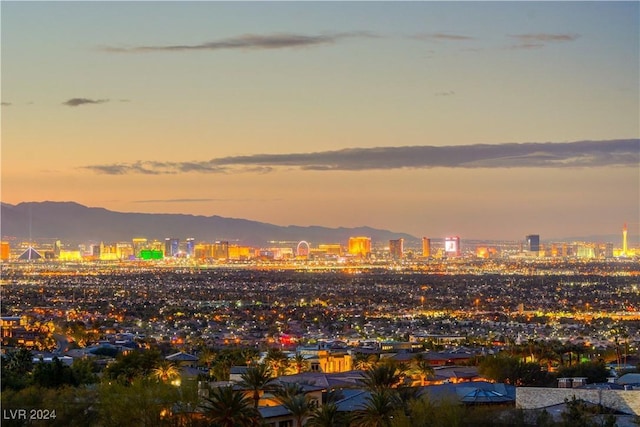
column 486, row 120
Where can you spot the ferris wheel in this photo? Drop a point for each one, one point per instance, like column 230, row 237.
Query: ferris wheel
column 303, row 249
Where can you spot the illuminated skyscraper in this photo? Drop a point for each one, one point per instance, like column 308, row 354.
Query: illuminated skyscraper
column 332, row 249
column 241, row 252
column 124, row 250
column 624, row 240
column 220, row 250
column 452, row 246
column 96, row 250
column 203, row 251
column 139, row 243
column 360, row 246
column 5, row 251
column 426, row 247
column 533, row 243
column 171, row 246
column 191, row 245
column 396, row 248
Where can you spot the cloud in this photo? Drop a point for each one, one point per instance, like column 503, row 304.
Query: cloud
column 446, row 93
column 441, row 37
column 526, row 46
column 538, row 40
column 5, row 104
column 544, row 37
column 74, row 102
column 248, row 42
column 145, row 168
column 622, row 152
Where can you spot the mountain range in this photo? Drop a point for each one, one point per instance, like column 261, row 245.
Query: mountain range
column 73, row 222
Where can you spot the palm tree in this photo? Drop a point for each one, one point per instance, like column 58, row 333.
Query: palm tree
column 221, row 369
column 382, row 377
column 285, row 390
column 207, row 357
column 257, row 378
column 328, row 415
column 278, row 361
column 549, row 355
column 165, row 371
column 569, row 348
column 378, row 410
column 249, row 355
column 422, row 367
column 557, row 347
column 292, row 397
column 300, row 406
column 226, row 407
column 511, row 345
column 364, row 361
column 301, row 364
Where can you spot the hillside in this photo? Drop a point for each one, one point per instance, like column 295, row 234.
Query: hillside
column 72, row 222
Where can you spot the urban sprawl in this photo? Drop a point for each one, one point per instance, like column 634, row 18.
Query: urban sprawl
column 178, row 332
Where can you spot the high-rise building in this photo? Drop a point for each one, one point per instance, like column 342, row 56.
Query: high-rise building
column 604, row 250
column 452, row 246
column 171, row 246
column 5, row 251
column 426, row 247
column 202, row 251
column 191, row 245
column 360, row 246
column 396, row 248
column 533, row 243
column 330, row 249
column 139, row 243
column 124, row 250
column 241, row 252
column 220, row 250
column 96, row 250
column 586, row 250
column 624, row 240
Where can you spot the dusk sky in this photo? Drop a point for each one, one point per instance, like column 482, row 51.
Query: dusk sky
column 483, row 120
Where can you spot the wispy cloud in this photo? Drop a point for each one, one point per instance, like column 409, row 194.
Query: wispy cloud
column 623, row 152
column 5, row 104
column 538, row 40
column 75, row 102
column 445, row 93
column 248, row 42
column 526, row 46
column 441, row 37
column 544, row 37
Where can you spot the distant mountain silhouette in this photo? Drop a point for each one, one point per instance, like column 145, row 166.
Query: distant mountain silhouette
column 72, row 222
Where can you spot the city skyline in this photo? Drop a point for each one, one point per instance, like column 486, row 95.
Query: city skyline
column 484, row 120
column 52, row 224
